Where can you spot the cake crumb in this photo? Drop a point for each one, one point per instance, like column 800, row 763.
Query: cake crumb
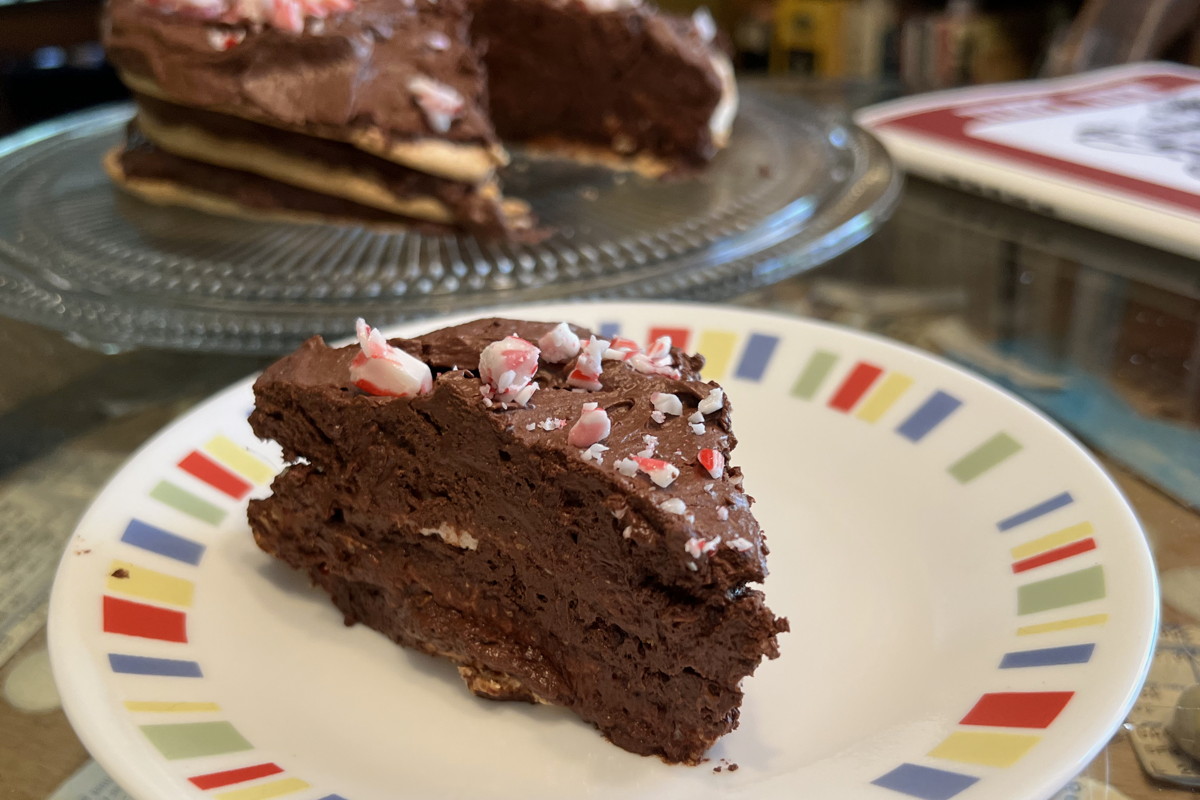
column 120, row 573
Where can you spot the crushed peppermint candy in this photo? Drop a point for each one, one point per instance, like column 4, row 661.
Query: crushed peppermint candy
column 440, row 104
column 593, row 426
column 381, row 369
column 224, row 39
column 662, row 473
column 658, row 417
column 507, row 368
column 723, row 513
column 595, row 453
column 697, row 546
column 651, row 444
column 531, row 426
column 627, row 467
column 696, row 417
column 697, row 428
column 552, row 424
column 285, row 15
column 621, row 349
column 586, row 373
column 740, row 544
column 628, row 532
column 702, row 21
column 667, row 403
column 438, row 41
column 649, row 364
column 674, row 506
column 713, row 461
column 714, row 402
column 559, row 344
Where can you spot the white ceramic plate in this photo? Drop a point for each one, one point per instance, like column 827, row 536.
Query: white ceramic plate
column 973, row 607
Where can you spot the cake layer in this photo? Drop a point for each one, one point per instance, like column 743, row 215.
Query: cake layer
column 151, row 173
column 320, row 165
column 355, row 76
column 481, row 534
column 627, row 80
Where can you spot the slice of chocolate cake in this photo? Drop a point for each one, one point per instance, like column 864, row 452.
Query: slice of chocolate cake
column 561, row 520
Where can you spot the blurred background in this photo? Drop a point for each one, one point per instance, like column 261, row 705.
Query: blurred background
column 51, row 62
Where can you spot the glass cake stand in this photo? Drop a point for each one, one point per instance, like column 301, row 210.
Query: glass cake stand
column 795, row 187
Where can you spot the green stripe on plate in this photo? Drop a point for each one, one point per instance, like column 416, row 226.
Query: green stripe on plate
column 1065, row 590
column 814, row 374
column 984, row 457
column 192, row 739
column 183, row 500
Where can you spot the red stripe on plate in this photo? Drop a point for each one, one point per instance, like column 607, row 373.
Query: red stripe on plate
column 215, row 475
column 148, row 622
column 855, row 386
column 213, row 780
column 679, row 336
column 1018, row 709
column 1057, row 554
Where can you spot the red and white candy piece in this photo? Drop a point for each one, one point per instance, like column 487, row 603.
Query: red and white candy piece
column 621, row 349
column 651, row 446
column 627, row 467
column 713, row 461
column 666, row 403
column 715, row 401
column 698, row 546
column 507, row 368
column 656, row 360
column 586, row 374
column 440, row 103
column 559, row 344
column 286, row 15
column 223, row 39
column 379, row 368
column 592, row 426
column 662, row 473
column 674, row 506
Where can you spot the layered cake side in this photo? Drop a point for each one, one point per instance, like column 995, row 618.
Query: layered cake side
column 561, row 521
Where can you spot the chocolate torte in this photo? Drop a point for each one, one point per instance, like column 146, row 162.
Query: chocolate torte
column 400, row 106
column 560, row 519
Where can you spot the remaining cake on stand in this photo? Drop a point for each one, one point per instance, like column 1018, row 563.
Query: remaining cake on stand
column 396, row 109
column 560, row 519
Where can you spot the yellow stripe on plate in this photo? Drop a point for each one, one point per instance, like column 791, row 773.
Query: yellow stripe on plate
column 169, row 706
column 717, row 349
column 1063, row 624
column 894, row 385
column 262, row 791
column 1053, row 540
column 131, row 579
column 234, row 456
column 988, row 749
